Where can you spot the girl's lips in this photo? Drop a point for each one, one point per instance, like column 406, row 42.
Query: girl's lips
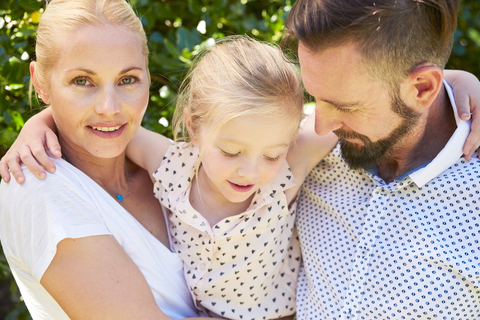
column 240, row 188
column 107, row 132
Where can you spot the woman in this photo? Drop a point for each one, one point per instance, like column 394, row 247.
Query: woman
column 91, row 242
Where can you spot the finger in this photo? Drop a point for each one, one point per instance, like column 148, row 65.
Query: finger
column 30, row 161
column 4, row 171
column 472, row 143
column 12, row 161
column 42, row 158
column 463, row 106
column 52, row 144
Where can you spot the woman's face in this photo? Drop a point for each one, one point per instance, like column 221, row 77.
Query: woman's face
column 98, row 89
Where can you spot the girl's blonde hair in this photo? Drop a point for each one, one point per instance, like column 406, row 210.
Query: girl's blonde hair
column 70, row 15
column 238, row 76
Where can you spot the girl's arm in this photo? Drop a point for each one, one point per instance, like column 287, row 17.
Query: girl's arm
column 147, row 149
column 466, row 90
column 39, row 134
column 99, row 281
column 306, row 152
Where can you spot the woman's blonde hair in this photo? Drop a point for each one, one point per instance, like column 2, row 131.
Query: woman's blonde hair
column 238, row 76
column 70, row 15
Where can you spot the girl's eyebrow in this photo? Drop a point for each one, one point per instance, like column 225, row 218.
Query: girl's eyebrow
column 233, row 141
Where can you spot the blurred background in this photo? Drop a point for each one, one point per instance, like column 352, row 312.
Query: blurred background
column 176, row 29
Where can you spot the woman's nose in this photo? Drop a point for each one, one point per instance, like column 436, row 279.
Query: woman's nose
column 108, row 104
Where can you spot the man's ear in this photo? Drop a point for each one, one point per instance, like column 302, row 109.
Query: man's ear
column 422, row 86
column 42, row 93
column 190, row 127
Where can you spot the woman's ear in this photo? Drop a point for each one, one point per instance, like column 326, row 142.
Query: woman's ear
column 42, row 93
column 190, row 126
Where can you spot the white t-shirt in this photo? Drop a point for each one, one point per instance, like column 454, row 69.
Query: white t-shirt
column 37, row 215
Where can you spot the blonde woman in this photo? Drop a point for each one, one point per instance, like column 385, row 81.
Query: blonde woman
column 76, row 248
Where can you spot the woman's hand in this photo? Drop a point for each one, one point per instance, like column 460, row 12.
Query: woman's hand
column 30, row 147
column 466, row 89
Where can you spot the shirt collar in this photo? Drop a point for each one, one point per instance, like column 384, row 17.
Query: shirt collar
column 450, row 153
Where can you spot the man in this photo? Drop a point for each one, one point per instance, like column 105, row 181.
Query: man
column 390, row 221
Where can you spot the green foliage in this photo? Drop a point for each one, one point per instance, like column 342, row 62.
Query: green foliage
column 176, row 29
column 466, row 49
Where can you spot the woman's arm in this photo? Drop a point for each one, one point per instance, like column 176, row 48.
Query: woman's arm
column 94, row 278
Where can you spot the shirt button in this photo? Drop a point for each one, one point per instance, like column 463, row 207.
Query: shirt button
column 203, row 266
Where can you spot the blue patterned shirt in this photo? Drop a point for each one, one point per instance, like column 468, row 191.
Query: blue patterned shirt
column 409, row 249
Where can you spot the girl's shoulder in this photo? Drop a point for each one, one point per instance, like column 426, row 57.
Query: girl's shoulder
column 177, row 169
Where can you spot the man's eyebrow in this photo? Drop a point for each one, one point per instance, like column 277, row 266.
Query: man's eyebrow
column 341, row 105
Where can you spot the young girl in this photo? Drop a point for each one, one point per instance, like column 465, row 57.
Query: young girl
column 229, row 189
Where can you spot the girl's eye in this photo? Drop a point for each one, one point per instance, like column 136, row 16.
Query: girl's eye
column 272, row 159
column 128, row 80
column 226, row 154
column 81, row 81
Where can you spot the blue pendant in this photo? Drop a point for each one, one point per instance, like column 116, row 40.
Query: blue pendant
column 120, row 198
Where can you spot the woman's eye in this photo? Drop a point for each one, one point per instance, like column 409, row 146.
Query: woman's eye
column 128, row 80
column 81, row 81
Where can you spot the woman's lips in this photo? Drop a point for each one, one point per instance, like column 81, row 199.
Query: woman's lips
column 241, row 188
column 107, row 132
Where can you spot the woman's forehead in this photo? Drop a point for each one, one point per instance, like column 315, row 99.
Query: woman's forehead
column 93, row 46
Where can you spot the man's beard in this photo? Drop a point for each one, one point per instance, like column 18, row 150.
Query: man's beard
column 371, row 153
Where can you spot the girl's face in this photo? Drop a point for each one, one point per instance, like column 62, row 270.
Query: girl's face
column 243, row 155
column 98, row 89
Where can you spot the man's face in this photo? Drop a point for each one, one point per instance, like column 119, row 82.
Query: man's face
column 359, row 110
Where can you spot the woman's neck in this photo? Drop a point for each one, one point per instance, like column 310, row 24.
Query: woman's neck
column 110, row 173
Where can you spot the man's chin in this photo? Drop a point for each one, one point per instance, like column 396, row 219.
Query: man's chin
column 358, row 156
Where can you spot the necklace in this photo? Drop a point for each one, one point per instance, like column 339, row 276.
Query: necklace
column 120, row 196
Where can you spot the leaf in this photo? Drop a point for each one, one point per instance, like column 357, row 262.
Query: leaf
column 30, row 5
column 171, row 48
column 156, row 37
column 7, row 137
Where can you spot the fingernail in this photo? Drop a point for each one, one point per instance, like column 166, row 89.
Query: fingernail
column 20, row 180
column 43, row 175
column 465, row 115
